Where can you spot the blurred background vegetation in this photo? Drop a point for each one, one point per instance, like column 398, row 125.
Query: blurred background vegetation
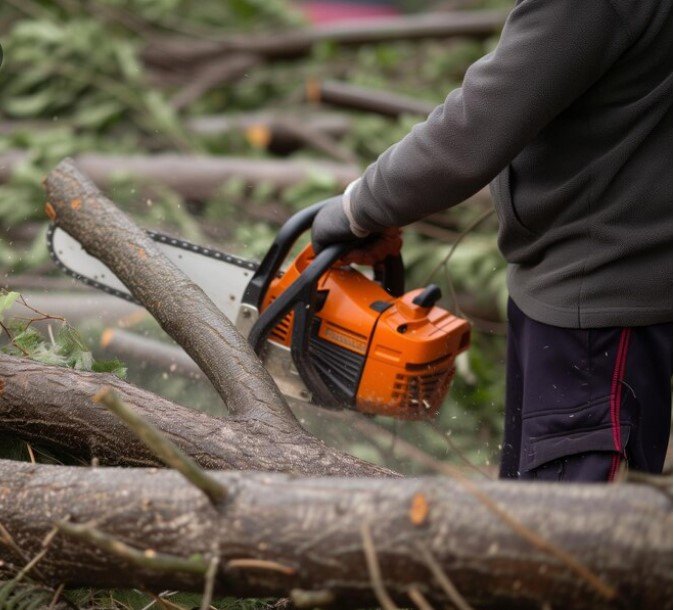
column 110, row 80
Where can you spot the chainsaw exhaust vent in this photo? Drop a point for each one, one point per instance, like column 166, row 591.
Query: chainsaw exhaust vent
column 422, row 393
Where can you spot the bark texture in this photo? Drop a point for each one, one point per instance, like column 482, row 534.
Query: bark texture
column 53, row 406
column 313, row 530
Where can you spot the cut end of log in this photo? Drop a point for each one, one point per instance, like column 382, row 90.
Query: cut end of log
column 312, row 89
column 50, row 211
column 107, row 336
column 259, row 136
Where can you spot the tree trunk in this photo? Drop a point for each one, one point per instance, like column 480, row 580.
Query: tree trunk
column 312, row 534
column 347, row 542
column 180, row 306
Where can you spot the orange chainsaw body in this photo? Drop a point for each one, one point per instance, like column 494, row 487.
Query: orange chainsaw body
column 379, row 354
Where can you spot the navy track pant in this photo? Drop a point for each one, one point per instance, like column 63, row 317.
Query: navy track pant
column 578, row 402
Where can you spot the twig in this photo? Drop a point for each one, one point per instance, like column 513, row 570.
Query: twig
column 374, row 569
column 162, row 447
column 418, row 598
column 447, row 585
column 482, row 217
column 6, row 537
column 31, row 455
column 13, row 341
column 261, row 564
column 457, row 451
column 57, row 594
column 149, row 559
column 210, row 582
column 43, row 316
column 31, row 564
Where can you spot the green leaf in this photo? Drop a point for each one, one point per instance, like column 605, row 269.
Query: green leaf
column 114, row 366
column 7, row 300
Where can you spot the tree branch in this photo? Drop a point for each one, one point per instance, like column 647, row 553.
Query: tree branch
column 164, row 449
column 52, row 406
column 180, row 306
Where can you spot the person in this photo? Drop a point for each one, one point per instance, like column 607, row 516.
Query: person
column 570, row 119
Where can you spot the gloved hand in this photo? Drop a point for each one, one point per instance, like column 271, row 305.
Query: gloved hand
column 333, row 224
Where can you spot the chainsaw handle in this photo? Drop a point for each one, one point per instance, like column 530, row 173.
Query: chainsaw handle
column 288, row 234
column 390, row 273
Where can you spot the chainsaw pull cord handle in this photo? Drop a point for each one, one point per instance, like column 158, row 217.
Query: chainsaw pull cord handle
column 390, row 273
column 300, row 297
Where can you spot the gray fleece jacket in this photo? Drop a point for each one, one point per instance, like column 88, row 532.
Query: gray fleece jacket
column 570, row 117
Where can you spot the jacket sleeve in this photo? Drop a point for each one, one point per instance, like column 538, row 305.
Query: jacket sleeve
column 549, row 53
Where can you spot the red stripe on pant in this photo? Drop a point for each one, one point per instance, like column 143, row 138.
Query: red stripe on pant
column 616, row 398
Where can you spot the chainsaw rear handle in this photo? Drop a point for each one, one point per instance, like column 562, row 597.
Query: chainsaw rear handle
column 390, row 274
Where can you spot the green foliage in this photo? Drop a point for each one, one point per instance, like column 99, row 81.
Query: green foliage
column 16, row 594
column 65, row 348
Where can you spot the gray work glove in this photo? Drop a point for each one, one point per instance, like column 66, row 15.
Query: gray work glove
column 334, row 223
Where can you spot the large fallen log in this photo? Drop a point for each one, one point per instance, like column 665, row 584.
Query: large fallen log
column 196, row 177
column 168, row 52
column 331, row 123
column 275, row 535
column 53, row 406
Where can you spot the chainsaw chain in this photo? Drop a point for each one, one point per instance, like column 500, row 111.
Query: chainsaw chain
column 155, row 236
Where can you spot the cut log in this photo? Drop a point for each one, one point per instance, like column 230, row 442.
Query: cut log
column 276, row 534
column 167, row 52
column 197, row 177
column 345, row 95
column 332, row 123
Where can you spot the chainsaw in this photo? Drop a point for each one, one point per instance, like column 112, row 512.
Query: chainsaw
column 327, row 332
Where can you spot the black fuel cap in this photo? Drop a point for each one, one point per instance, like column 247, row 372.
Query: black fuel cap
column 428, row 297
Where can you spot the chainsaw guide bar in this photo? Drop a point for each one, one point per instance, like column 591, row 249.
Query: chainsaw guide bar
column 60, row 244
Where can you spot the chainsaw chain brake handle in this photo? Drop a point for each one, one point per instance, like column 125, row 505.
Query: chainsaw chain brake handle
column 301, row 295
